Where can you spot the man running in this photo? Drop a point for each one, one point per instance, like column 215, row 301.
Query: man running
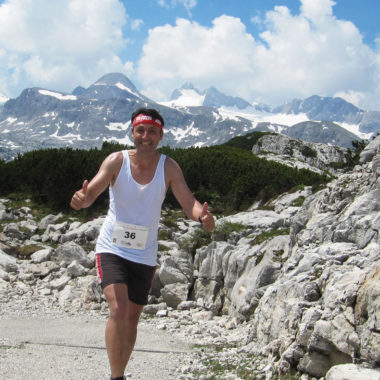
column 127, row 245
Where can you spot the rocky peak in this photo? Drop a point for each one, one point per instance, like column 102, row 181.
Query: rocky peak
column 189, row 86
column 320, row 108
column 111, row 86
column 215, row 98
column 113, row 79
column 297, row 153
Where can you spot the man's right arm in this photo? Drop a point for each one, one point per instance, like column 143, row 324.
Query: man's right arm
column 106, row 175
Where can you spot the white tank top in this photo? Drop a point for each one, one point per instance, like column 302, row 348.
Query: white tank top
column 137, row 205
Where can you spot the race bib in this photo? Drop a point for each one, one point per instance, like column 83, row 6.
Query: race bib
column 129, row 235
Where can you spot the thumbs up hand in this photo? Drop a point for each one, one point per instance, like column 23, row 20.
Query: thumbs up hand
column 206, row 218
column 84, row 186
column 79, row 198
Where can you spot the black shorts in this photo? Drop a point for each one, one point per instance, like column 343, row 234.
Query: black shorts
column 113, row 269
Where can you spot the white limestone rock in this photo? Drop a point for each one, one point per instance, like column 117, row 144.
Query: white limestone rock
column 42, row 255
column 352, row 372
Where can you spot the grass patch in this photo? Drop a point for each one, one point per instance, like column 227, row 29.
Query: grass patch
column 297, row 188
column 292, row 374
column 163, row 235
column 224, row 230
column 245, row 366
column 277, row 255
column 170, row 217
column 308, row 152
column 18, row 200
column 267, row 207
column 317, row 271
column 163, row 248
column 318, row 187
column 199, row 238
column 299, row 201
column 24, row 252
column 266, row 235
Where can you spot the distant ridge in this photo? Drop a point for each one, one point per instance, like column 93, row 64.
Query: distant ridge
column 87, row 117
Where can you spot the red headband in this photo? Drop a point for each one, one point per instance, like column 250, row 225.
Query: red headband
column 145, row 119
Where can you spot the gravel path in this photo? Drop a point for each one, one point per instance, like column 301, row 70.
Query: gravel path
column 72, row 347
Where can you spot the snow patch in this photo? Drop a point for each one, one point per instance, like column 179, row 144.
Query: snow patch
column 188, row 98
column 50, row 114
column 262, row 117
column 57, row 95
column 125, row 88
column 12, row 145
column 118, row 126
column 353, row 128
column 180, row 133
column 3, row 99
column 69, row 137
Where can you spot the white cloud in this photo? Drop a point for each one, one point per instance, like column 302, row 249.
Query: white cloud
column 193, row 52
column 136, row 24
column 59, row 44
column 64, row 43
column 188, row 4
column 299, row 55
column 318, row 11
column 351, row 96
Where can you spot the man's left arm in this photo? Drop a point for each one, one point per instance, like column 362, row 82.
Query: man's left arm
column 191, row 206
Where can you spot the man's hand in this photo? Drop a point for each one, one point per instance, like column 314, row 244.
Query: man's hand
column 207, row 218
column 79, row 198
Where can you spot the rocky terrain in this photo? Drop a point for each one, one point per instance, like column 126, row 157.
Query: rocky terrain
column 290, row 289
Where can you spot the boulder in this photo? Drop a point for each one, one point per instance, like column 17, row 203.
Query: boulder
column 67, row 295
column 59, row 283
column 369, row 152
column 12, row 230
column 174, row 294
column 48, row 219
column 70, row 251
column 352, row 372
column 42, row 255
column 176, row 269
column 75, row 269
column 4, row 275
column 367, row 312
column 154, row 308
column 43, row 269
column 262, row 269
column 8, row 263
column 92, row 289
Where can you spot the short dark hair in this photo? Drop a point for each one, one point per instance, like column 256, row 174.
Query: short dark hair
column 149, row 112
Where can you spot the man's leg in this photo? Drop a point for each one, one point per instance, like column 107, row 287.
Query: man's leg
column 121, row 329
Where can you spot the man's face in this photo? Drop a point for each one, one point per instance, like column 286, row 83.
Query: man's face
column 146, row 136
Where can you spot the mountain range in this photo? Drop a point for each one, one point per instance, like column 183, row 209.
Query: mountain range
column 40, row 118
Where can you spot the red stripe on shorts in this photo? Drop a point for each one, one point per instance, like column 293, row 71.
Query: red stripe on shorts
column 151, row 281
column 99, row 267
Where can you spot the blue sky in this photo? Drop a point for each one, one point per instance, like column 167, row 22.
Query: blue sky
column 268, row 51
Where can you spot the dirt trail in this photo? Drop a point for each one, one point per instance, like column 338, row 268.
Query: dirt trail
column 72, row 348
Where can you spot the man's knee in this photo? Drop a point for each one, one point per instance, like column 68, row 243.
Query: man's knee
column 117, row 299
column 118, row 310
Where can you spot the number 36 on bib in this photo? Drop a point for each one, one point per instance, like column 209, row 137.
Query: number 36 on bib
column 130, row 235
